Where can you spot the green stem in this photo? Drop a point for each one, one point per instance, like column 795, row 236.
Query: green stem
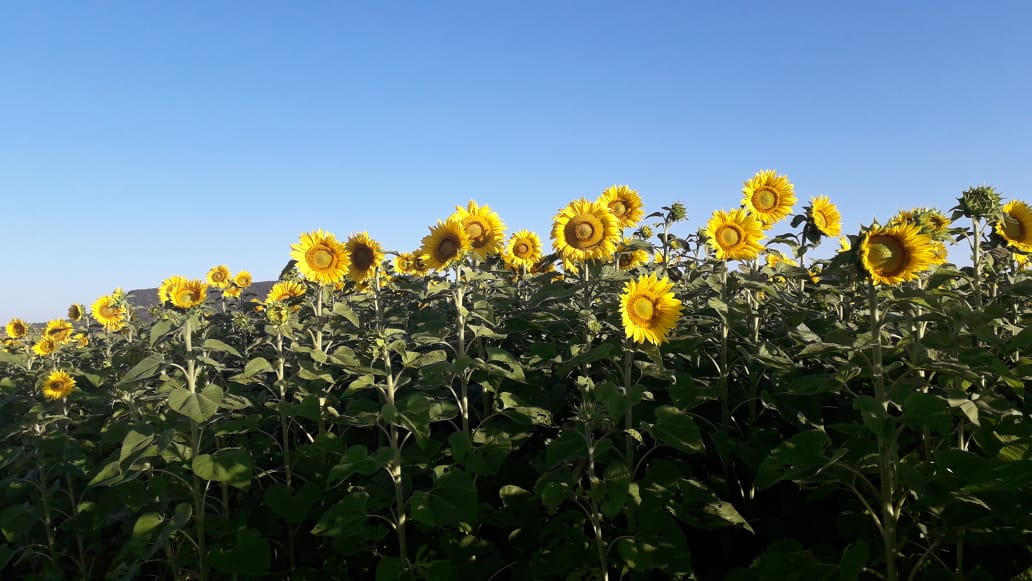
column 976, row 259
column 725, row 411
column 47, row 518
column 886, row 441
column 394, row 466
column 460, row 348
column 195, row 446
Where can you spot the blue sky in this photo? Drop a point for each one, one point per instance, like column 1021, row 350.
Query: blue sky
column 142, row 139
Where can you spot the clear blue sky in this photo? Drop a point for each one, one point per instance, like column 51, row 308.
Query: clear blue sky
column 144, row 139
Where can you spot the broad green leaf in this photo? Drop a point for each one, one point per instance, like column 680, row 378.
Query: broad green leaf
column 342, row 518
column 232, row 466
column 853, row 561
column 924, row 410
column 798, row 458
column 147, row 367
column 219, row 346
column 251, row 555
column 675, row 428
column 356, row 460
column 292, row 506
column 197, row 406
column 252, row 368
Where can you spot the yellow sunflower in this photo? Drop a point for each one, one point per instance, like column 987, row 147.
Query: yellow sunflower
column 365, row 255
column 82, row 339
column 775, row 258
column 232, row 292
column 59, row 330
column 734, row 235
column 110, row 311
column 628, row 257
column 1016, row 225
column 624, row 203
column 649, row 309
column 939, row 252
column 16, row 328
column 45, row 346
column 188, row 294
column 844, row 245
column 405, row 263
column 285, row 290
column 320, row 257
column 58, row 385
column 585, row 230
column 445, row 243
column 824, row 216
column 769, row 196
column 243, row 279
column 166, row 286
column 485, row 229
column 894, row 254
column 218, row 276
column 523, row 250
column 75, row 312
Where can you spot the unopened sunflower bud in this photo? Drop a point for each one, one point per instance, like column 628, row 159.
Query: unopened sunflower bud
column 677, row 212
column 979, row 202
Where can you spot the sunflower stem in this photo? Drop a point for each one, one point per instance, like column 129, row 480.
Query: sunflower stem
column 886, row 440
column 976, row 258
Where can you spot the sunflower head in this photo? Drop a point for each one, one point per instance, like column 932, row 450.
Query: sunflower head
column 446, row 242
column 649, row 309
column 768, row 196
column 895, row 254
column 931, row 221
column 320, row 257
column 218, row 276
column 82, row 339
column 187, row 294
column 484, row 228
column 773, row 259
column 404, row 263
column 285, row 291
column 58, row 385
column 111, row 311
column 823, row 216
column 364, row 254
column 734, row 235
column 1015, row 225
column 243, row 279
column 978, row 202
column 523, row 250
column 16, row 328
column 630, row 255
column 58, row 330
column 75, row 312
column 624, row 203
column 232, row 292
column 585, row 230
column 45, row 346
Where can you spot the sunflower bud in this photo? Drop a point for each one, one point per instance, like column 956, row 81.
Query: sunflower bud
column 979, row 202
column 677, row 212
column 645, row 232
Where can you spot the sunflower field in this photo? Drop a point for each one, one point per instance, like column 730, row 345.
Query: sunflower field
column 766, row 397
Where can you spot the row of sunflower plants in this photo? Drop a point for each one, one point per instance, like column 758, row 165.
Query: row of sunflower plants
column 736, row 402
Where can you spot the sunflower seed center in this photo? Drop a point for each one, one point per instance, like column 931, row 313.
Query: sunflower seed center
column 643, row 308
column 765, row 200
column 618, row 207
column 321, row 257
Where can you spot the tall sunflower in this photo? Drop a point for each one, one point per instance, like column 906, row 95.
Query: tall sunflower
column 824, row 216
column 218, row 276
column 649, row 309
column 734, row 235
column 769, row 196
column 585, row 230
column 320, row 257
column 243, row 279
column 110, row 311
column 446, row 242
column 58, row 385
column 894, row 254
column 1016, row 225
column 483, row 226
column 624, row 203
column 16, row 328
column 187, row 294
column 59, row 330
column 75, row 312
column 166, row 286
column 364, row 254
column 285, row 290
column 523, row 249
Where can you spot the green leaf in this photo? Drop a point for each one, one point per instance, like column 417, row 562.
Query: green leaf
column 873, row 414
column 232, row 466
column 922, row 410
column 796, row 459
column 250, row 555
column 147, row 367
column 355, row 460
column 853, row 561
column 452, row 500
column 675, row 428
column 159, row 330
column 252, row 368
column 197, row 406
column 290, row 506
column 341, row 309
column 342, row 518
column 219, row 346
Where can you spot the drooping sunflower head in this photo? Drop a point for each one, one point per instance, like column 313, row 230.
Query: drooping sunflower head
column 649, row 309
column 59, row 330
column 16, row 328
column 768, row 196
column 364, row 254
column 45, row 346
column 895, row 254
column 734, row 235
column 320, row 257
column 218, row 276
column 445, row 243
column 523, row 250
column 284, row 291
column 773, row 259
column 624, row 203
column 824, row 216
column 243, row 279
column 111, row 311
column 630, row 255
column 585, row 230
column 75, row 312
column 1015, row 226
column 187, row 294
column 58, row 385
column 483, row 226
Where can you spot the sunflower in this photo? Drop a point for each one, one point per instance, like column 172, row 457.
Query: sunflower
column 285, row 290
column 187, row 294
column 624, row 203
column 82, row 339
column 628, row 257
column 320, row 257
column 110, row 311
column 242, row 279
column 734, row 235
column 824, row 216
column 59, row 330
column 75, row 312
column 420, row 262
column 585, row 230
column 894, row 254
column 58, row 385
column 365, row 255
column 483, row 227
column 844, row 245
column 45, row 346
column 232, row 292
column 775, row 258
column 16, row 328
column 218, row 276
column 769, row 196
column 939, row 252
column 1022, row 261
column 445, row 243
column 649, row 309
column 1016, row 225
column 405, row 263
column 523, row 250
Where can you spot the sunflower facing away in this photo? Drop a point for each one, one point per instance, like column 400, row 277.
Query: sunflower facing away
column 824, row 216
column 58, row 330
column 446, row 242
column 585, row 230
column 484, row 228
column 320, row 257
column 218, row 276
column 16, row 328
column 649, row 309
column 523, row 250
column 75, row 312
column 285, row 290
column 734, row 235
column 364, row 254
column 110, row 311
column 894, row 254
column 58, row 385
column 187, row 294
column 1016, row 225
column 624, row 203
column 769, row 196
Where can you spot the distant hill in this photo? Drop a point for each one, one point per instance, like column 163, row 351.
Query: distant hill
column 145, row 298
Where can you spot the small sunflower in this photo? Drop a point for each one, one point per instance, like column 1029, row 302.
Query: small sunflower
column 483, row 226
column 75, row 312
column 404, row 263
column 365, row 256
column 629, row 257
column 824, row 216
column 769, row 196
column 188, row 294
column 523, row 249
column 894, row 254
column 734, row 235
column 166, row 286
column 16, row 328
column 243, row 279
column 81, row 339
column 320, row 257
column 939, row 252
column 624, row 203
column 445, row 243
column 110, row 311
column 45, row 346
column 218, row 276
column 420, row 262
column 775, row 258
column 649, row 309
column 585, row 230
column 232, row 292
column 58, row 385
column 59, row 330
column 1016, row 225
column 285, row 290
